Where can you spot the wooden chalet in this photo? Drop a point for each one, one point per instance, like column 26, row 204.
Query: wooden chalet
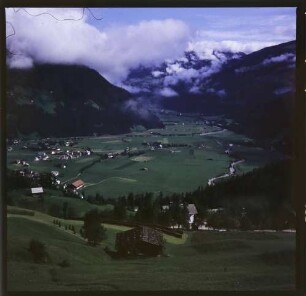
column 141, row 240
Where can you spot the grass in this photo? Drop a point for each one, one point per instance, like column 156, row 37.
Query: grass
column 199, row 261
column 78, row 206
column 166, row 172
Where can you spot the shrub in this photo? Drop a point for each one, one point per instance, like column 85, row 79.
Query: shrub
column 38, row 251
column 54, row 275
column 64, row 263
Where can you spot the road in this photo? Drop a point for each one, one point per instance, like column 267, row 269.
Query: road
column 212, row 133
column 230, row 173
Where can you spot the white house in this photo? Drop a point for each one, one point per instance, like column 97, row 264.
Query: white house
column 37, row 191
column 192, row 211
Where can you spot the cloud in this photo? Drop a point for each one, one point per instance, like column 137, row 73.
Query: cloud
column 138, row 106
column 157, row 74
column 111, row 51
column 205, row 48
column 21, row 62
column 221, row 93
column 278, row 59
column 195, row 90
column 168, row 92
column 287, row 57
column 134, row 89
column 174, row 68
column 282, row 90
column 247, row 69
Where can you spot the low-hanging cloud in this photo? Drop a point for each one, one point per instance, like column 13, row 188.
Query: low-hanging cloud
column 168, row 92
column 205, row 48
column 287, row 57
column 111, row 51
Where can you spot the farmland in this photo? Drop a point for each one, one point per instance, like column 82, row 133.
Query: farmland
column 222, row 260
column 187, row 153
column 178, row 158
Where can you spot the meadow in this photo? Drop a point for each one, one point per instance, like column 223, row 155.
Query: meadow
column 201, row 260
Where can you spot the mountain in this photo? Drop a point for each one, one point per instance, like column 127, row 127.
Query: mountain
column 182, row 73
column 256, row 90
column 69, row 100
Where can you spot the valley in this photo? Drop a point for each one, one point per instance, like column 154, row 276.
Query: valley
column 187, row 153
column 154, row 174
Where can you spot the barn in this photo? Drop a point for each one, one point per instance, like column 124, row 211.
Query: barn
column 77, row 184
column 141, row 240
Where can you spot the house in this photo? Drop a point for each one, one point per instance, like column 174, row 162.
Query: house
column 165, row 208
column 54, row 173
column 140, row 240
column 77, row 185
column 213, row 211
column 41, row 154
column 88, row 151
column 192, row 211
column 37, row 191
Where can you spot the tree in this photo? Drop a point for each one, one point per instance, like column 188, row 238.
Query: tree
column 65, row 207
column 119, row 211
column 93, row 231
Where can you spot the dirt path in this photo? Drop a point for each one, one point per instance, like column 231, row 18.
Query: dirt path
column 120, row 178
column 212, row 133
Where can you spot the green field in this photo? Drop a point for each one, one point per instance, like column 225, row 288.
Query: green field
column 202, row 260
column 170, row 169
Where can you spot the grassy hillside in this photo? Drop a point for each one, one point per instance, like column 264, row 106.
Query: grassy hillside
column 198, row 261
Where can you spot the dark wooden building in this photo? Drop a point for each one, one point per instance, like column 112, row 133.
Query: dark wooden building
column 140, row 240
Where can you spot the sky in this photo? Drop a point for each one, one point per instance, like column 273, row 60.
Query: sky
column 115, row 40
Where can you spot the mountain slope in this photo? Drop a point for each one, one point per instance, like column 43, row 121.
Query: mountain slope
column 68, row 100
column 256, row 90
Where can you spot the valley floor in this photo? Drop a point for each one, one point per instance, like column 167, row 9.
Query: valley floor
column 189, row 152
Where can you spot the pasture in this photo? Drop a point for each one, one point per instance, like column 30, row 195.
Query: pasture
column 201, row 260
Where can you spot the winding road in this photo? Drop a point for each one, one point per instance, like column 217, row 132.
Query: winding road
column 230, row 173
